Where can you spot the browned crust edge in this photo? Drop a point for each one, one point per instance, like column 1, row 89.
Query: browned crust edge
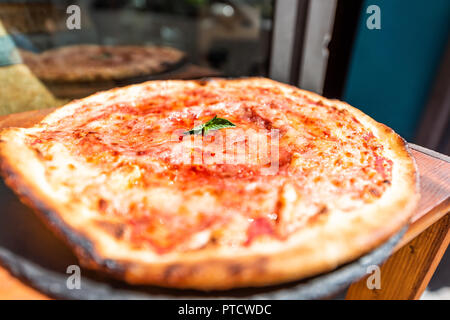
column 211, row 274
column 30, row 196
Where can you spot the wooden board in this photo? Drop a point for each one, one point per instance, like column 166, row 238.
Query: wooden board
column 434, row 190
column 13, row 289
column 406, row 274
column 434, row 204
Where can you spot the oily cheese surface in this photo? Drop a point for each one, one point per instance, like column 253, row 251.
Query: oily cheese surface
column 300, row 185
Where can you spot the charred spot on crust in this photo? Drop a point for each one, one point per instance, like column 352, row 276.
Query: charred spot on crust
column 375, row 192
column 261, row 264
column 172, row 272
column 115, row 229
column 178, row 272
column 39, row 154
column 102, row 204
column 320, row 214
column 235, row 269
column 323, row 209
column 203, row 82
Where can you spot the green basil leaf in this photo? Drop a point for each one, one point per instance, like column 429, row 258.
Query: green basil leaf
column 213, row 124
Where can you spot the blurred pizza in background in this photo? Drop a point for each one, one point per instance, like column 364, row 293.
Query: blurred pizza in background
column 89, row 62
column 79, row 70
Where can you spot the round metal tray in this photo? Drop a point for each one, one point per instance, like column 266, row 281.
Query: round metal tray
column 80, row 89
column 33, row 254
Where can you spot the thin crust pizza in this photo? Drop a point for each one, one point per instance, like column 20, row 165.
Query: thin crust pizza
column 213, row 184
column 89, row 62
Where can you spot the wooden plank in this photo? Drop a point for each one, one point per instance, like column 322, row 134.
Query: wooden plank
column 406, row 274
column 434, row 183
column 427, row 220
column 13, row 289
column 435, row 194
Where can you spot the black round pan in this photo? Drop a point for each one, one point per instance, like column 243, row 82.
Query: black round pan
column 32, row 253
column 80, row 89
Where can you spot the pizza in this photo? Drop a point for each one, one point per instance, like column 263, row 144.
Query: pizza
column 89, row 62
column 213, row 184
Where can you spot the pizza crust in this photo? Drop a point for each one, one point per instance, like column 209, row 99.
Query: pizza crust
column 324, row 245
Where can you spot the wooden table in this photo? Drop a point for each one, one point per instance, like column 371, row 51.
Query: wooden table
column 405, row 275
